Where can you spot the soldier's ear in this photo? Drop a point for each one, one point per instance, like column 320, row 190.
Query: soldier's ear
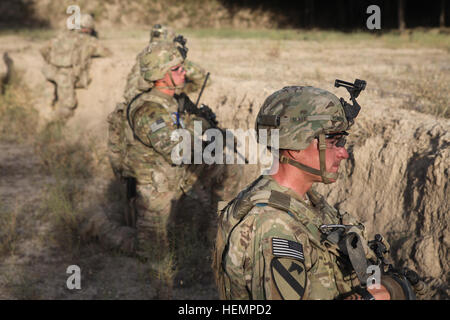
column 284, row 152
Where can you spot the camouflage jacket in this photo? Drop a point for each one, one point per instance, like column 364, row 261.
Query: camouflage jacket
column 74, row 50
column 266, row 251
column 145, row 151
column 195, row 75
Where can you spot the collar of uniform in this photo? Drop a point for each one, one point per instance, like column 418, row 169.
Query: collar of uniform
column 310, row 216
column 290, row 192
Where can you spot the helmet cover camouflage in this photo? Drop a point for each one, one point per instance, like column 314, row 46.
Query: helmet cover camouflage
column 161, row 33
column 158, row 60
column 87, row 21
column 301, row 114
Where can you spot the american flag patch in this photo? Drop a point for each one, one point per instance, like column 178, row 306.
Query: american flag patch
column 158, row 124
column 287, row 248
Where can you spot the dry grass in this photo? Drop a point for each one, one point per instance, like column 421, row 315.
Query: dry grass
column 61, row 156
column 422, row 88
column 20, row 284
column 18, row 118
column 192, row 13
column 65, row 216
column 274, row 50
column 70, row 163
column 9, row 233
column 430, row 92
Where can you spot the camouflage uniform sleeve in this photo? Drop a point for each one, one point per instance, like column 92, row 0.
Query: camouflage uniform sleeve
column 195, row 76
column 154, row 125
column 283, row 253
column 273, row 256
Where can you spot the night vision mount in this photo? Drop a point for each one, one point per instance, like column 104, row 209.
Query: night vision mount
column 351, row 111
column 156, row 30
column 180, row 41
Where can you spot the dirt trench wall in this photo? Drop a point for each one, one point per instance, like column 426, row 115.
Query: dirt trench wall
column 397, row 182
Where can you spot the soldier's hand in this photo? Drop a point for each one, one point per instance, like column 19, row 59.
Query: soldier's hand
column 379, row 294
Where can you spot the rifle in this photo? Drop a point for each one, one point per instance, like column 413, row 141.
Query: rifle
column 186, row 105
column 402, row 284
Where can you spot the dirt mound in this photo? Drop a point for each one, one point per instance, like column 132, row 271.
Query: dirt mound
column 397, row 182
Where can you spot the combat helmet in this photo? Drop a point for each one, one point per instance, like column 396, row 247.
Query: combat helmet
column 87, row 21
column 161, row 33
column 305, row 113
column 159, row 58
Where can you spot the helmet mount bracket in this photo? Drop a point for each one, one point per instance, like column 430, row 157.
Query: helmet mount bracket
column 351, row 111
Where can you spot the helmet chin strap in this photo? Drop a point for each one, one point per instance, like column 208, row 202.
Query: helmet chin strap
column 327, row 177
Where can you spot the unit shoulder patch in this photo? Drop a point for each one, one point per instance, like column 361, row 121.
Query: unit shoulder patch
column 289, row 277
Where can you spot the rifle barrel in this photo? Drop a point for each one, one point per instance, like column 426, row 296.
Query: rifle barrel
column 201, row 91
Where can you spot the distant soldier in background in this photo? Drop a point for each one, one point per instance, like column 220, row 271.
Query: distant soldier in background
column 7, row 75
column 140, row 152
column 68, row 58
column 195, row 75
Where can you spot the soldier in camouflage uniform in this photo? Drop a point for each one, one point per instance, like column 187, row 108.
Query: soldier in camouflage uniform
column 68, row 58
column 279, row 239
column 140, row 148
column 195, row 75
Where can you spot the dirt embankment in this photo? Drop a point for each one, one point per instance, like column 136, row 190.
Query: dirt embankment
column 397, row 182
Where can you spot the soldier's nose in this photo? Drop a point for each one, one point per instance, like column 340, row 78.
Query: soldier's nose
column 342, row 153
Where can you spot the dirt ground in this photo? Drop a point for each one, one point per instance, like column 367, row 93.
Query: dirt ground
column 243, row 73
